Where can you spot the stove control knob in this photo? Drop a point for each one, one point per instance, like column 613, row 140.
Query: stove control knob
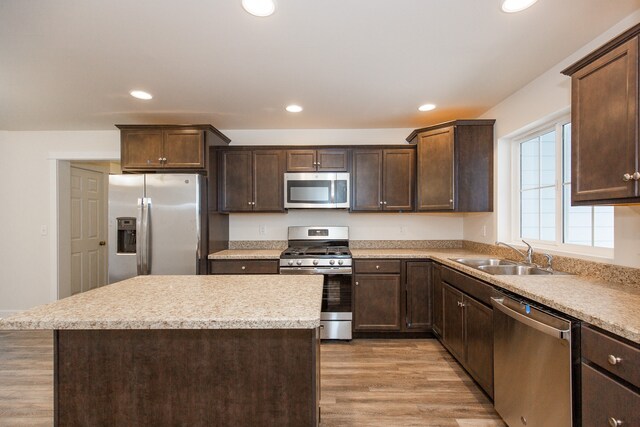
column 290, row 262
column 315, row 262
column 332, row 262
column 299, row 262
column 340, row 262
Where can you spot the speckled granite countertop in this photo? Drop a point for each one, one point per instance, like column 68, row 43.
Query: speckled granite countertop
column 185, row 302
column 612, row 307
column 247, row 254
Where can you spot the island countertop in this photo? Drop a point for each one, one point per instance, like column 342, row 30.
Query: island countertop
column 184, row 302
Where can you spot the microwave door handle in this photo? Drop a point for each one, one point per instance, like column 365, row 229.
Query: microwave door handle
column 333, row 191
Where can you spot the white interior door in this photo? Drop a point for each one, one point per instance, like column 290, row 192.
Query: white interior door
column 88, row 240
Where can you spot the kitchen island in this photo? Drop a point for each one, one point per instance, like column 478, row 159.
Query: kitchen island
column 186, row 350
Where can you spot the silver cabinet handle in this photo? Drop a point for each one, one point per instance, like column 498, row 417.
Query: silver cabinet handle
column 460, row 304
column 626, row 177
column 380, row 202
column 357, row 283
column 614, row 423
column 243, row 267
column 613, row 360
column 636, row 176
column 160, row 159
column 377, row 267
column 164, row 159
column 384, row 203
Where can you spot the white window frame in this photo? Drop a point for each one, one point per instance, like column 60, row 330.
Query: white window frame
column 558, row 246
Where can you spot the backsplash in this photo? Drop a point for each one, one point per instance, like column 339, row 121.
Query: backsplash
column 405, row 244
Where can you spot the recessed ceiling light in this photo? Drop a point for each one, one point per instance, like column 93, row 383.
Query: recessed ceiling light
column 140, row 94
column 426, row 107
column 259, row 7
column 511, row 6
column 294, row 108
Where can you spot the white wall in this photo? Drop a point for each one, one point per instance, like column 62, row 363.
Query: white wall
column 544, row 97
column 27, row 176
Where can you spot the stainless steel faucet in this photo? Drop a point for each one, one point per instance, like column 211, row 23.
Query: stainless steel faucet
column 528, row 257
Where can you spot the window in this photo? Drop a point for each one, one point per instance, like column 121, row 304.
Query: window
column 545, row 211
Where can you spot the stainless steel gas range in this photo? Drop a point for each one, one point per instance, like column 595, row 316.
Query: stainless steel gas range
column 324, row 250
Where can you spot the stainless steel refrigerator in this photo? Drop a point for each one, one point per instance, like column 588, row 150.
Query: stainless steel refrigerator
column 154, row 225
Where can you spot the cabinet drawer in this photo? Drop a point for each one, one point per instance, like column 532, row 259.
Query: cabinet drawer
column 378, row 266
column 605, row 400
column 473, row 287
column 244, row 267
column 599, row 348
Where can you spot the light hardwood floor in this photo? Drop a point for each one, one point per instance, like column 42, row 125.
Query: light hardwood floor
column 364, row 383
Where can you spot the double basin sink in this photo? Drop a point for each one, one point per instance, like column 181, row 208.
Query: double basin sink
column 506, row 267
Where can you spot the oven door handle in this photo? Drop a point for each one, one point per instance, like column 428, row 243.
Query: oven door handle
column 318, row 270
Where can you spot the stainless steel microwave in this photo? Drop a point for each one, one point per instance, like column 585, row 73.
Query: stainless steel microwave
column 316, row 190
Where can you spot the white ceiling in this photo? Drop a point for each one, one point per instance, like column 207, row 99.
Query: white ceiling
column 69, row 64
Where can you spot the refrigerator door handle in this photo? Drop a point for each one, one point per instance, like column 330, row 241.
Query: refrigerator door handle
column 139, row 236
column 143, row 241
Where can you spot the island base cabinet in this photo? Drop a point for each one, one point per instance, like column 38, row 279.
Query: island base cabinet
column 218, row 377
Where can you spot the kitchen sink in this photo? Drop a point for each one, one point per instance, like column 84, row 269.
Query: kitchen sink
column 513, row 270
column 477, row 262
column 504, row 267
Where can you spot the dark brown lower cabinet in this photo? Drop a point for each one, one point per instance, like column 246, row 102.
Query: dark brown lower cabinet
column 245, row 266
column 377, row 302
column 607, row 402
column 437, row 302
column 467, row 326
column 479, row 342
column 610, row 379
column 453, row 321
column 418, row 291
column 392, row 296
column 187, row 377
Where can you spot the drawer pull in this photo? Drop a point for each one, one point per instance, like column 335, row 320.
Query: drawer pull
column 613, row 360
column 377, row 267
column 244, row 268
column 357, row 283
column 614, row 423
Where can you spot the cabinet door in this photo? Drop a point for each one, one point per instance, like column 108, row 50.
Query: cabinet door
column 418, row 295
column 235, row 181
column 605, row 401
column 366, row 180
column 377, row 302
column 436, row 170
column 141, row 149
column 301, row 160
column 183, row 149
column 398, row 177
column 333, row 160
column 453, row 336
column 604, row 111
column 479, row 342
column 268, row 180
column 438, row 326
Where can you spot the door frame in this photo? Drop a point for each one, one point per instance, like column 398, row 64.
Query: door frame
column 60, row 213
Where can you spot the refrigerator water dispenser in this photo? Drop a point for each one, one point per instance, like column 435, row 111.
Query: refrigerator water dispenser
column 126, row 235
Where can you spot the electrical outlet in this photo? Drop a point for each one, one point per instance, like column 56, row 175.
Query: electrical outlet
column 43, row 230
column 403, row 229
column 262, row 229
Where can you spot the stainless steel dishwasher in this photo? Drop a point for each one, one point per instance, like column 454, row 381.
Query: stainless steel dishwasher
column 532, row 365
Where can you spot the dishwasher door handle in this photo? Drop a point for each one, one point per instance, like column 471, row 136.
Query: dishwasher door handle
column 563, row 334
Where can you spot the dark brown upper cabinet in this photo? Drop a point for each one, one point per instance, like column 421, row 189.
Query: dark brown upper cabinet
column 175, row 147
column 251, row 181
column 604, row 130
column 455, row 166
column 321, row 160
column 383, row 179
